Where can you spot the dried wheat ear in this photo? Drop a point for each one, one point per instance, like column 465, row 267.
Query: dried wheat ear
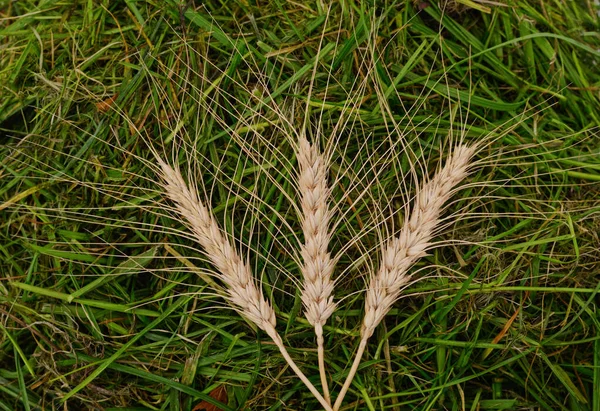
column 402, row 252
column 399, row 253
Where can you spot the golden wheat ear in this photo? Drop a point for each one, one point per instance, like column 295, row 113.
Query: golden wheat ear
column 401, row 252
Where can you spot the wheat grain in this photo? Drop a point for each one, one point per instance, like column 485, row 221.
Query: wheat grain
column 400, row 253
column 242, row 291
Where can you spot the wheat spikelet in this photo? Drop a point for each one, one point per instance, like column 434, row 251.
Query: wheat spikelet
column 403, row 251
column 241, row 288
column 242, row 291
column 317, row 265
column 400, row 253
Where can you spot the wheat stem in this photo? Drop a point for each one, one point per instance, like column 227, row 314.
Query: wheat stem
column 402, row 252
column 321, row 359
column 279, row 343
column 350, row 377
column 242, row 291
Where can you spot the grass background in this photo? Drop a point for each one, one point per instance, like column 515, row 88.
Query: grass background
column 83, row 326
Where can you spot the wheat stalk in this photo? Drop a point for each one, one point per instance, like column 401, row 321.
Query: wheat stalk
column 241, row 288
column 317, row 264
column 400, row 253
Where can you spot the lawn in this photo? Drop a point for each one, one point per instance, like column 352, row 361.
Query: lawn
column 108, row 301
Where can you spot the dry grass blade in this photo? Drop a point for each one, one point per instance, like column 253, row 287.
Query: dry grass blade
column 242, row 291
column 317, row 266
column 400, row 253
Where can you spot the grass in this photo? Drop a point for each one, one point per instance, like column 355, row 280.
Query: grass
column 104, row 301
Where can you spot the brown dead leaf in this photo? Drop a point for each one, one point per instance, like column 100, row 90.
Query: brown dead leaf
column 219, row 394
column 105, row 105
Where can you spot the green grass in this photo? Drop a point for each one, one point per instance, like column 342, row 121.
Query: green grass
column 104, row 304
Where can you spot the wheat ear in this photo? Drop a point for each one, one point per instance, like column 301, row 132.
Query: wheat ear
column 242, row 291
column 317, row 265
column 400, row 253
